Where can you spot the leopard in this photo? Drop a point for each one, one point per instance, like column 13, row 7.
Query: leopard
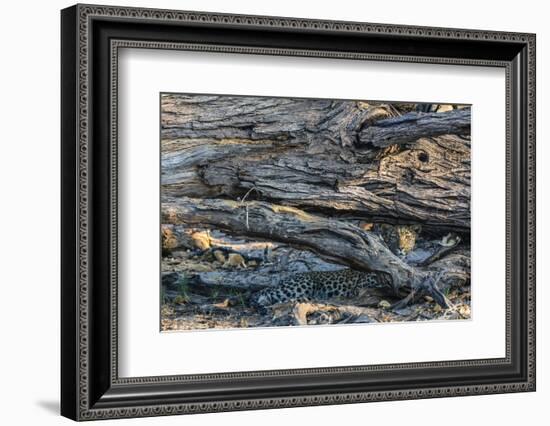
column 400, row 239
column 318, row 286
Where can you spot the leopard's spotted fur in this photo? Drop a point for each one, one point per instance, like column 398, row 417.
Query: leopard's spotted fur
column 345, row 283
column 317, row 286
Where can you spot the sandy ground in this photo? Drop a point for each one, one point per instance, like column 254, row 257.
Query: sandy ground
column 187, row 305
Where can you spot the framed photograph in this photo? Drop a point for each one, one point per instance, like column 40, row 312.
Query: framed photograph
column 263, row 212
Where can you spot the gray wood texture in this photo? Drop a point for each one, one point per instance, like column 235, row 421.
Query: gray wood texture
column 295, row 171
column 314, row 155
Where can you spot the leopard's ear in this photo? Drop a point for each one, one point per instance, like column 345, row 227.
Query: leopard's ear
column 416, row 228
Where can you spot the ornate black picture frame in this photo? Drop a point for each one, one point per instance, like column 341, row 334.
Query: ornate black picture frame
column 91, row 36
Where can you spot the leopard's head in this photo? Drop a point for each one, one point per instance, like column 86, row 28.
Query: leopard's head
column 400, row 239
column 406, row 238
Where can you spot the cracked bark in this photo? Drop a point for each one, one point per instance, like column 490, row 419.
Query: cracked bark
column 332, row 239
column 312, row 154
column 311, row 165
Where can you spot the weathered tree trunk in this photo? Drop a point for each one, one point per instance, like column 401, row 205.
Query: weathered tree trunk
column 332, row 239
column 429, row 184
column 295, row 170
column 323, row 156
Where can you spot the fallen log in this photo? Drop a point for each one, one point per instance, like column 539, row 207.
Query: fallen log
column 311, row 165
column 315, row 154
column 284, row 121
column 428, row 184
column 334, row 240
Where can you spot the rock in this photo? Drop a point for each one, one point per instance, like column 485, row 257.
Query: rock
column 199, row 267
column 464, row 311
column 176, row 237
column 220, row 257
column 169, row 241
column 384, row 304
column 235, row 260
column 201, row 240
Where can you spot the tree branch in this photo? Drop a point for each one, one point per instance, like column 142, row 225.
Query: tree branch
column 413, row 126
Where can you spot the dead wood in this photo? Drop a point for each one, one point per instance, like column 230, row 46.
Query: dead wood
column 442, row 251
column 319, row 155
column 427, row 184
column 309, row 164
column 413, row 126
column 330, row 313
column 331, row 239
column 334, row 240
